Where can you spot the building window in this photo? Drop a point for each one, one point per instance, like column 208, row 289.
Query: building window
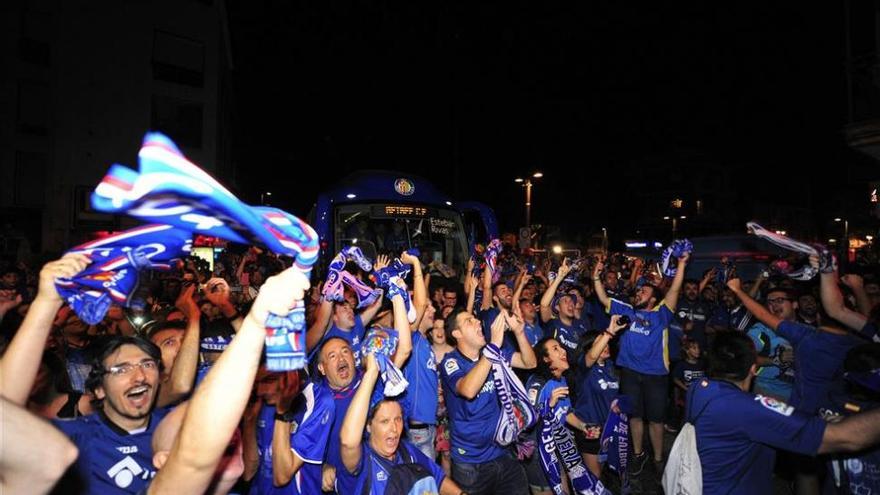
column 178, row 60
column 30, row 179
column 33, row 108
column 180, row 119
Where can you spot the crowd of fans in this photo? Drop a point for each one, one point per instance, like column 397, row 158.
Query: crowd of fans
column 776, row 378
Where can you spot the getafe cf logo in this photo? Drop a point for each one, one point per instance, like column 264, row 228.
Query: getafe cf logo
column 404, row 187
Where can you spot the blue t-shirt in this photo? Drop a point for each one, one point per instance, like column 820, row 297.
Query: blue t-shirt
column 540, row 389
column 354, row 337
column 689, row 372
column 472, row 422
column 857, row 473
column 597, row 388
column 341, row 400
column 773, row 379
column 312, row 419
column 420, row 399
column 643, row 345
column 567, row 335
column 352, row 483
column 696, row 312
column 597, row 312
column 738, row 432
column 534, row 333
column 818, row 362
column 112, row 460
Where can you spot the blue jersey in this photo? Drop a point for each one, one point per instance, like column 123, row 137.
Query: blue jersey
column 539, row 390
column 738, row 432
column 567, row 335
column 352, row 483
column 112, row 460
column 858, row 473
column 341, row 400
column 596, row 389
column 643, row 345
column 818, row 361
column 354, row 337
column 697, row 313
column 534, row 333
column 772, row 379
column 472, row 422
column 689, row 372
column 420, row 398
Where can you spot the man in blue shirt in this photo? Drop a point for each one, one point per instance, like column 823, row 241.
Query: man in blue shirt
column 338, row 319
column 737, row 432
column 564, row 326
column 644, row 357
column 775, row 353
column 480, row 465
column 114, row 444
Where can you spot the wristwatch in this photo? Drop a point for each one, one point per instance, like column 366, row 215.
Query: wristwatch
column 287, row 417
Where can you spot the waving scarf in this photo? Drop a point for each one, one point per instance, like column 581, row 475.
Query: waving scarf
column 827, row 263
column 117, row 261
column 337, row 276
column 675, row 250
column 382, row 342
column 170, row 189
column 492, row 251
column 516, row 412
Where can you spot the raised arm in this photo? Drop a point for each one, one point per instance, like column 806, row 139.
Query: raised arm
column 486, row 303
column 857, row 285
column 598, row 286
column 522, row 281
column 217, row 291
column 754, row 307
column 602, row 340
column 18, row 368
column 550, row 293
column 320, row 325
column 33, row 453
column 285, row 462
column 636, row 272
column 404, row 333
column 853, row 434
column 218, row 403
column 707, row 278
column 186, row 363
column 675, row 289
column 352, row 432
column 832, row 300
column 471, row 293
column 525, row 358
column 420, row 292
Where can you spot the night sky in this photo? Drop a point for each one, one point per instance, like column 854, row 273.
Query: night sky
column 474, row 93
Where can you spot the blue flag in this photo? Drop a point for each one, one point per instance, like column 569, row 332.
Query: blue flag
column 114, row 274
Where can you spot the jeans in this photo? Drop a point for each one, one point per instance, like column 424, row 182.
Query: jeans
column 423, row 439
column 503, row 475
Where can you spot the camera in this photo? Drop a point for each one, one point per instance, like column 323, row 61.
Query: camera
column 623, row 320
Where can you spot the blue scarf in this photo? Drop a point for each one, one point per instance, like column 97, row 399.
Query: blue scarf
column 517, row 413
column 337, row 276
column 827, row 262
column 559, row 451
column 492, row 251
column 382, row 342
column 117, row 261
column 170, row 189
column 675, row 250
column 614, row 443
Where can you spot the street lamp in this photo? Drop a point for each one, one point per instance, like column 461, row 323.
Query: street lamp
column 527, row 183
column 263, row 197
column 845, row 230
column 674, row 222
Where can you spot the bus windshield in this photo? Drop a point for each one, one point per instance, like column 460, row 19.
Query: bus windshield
column 382, row 228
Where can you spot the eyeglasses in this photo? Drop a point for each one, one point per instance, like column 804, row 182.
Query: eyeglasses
column 127, row 368
column 779, row 300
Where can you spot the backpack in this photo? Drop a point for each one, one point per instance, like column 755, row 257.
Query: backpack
column 684, row 473
column 406, row 478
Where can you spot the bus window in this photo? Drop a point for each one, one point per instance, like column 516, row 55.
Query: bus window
column 382, row 229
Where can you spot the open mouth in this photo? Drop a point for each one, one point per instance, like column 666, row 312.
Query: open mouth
column 139, row 396
column 343, row 370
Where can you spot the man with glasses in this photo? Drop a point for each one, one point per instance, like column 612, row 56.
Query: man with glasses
column 115, row 455
column 775, row 354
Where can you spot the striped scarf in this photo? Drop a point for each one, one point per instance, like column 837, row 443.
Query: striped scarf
column 517, row 414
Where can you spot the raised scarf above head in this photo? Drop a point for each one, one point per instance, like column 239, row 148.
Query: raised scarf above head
column 390, row 279
column 382, row 343
column 492, row 251
column 338, row 277
column 517, row 413
column 827, row 261
column 675, row 250
column 170, row 189
column 559, row 452
column 117, row 260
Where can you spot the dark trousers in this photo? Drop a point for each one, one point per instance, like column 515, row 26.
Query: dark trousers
column 503, row 475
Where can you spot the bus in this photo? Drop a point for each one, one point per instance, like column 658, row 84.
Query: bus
column 382, row 211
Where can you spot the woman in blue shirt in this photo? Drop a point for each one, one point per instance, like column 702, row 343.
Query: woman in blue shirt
column 597, row 387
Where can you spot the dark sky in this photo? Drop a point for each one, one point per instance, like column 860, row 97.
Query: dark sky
column 475, row 93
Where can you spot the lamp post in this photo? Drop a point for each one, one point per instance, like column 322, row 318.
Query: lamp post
column 263, row 197
column 527, row 184
column 674, row 222
column 845, row 231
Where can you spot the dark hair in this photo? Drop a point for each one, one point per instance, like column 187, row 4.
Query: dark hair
column 57, row 383
column 691, row 281
column 105, row 348
column 320, row 349
column 371, row 413
column 585, row 343
column 451, row 324
column 789, row 294
column 166, row 325
column 731, row 356
column 542, row 369
column 498, row 284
